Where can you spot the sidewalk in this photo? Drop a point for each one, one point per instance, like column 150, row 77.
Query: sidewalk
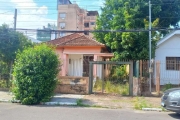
column 94, row 100
column 5, row 96
column 58, row 99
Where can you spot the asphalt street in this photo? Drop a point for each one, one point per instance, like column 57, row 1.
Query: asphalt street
column 10, row 111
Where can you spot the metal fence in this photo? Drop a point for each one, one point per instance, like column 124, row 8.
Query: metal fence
column 167, row 75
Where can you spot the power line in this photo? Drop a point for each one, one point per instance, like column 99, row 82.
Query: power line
column 82, row 31
column 35, row 14
column 5, row 12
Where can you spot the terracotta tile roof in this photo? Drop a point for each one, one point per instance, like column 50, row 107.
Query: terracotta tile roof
column 64, row 39
column 75, row 40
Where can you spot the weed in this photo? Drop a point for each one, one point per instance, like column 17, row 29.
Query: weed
column 140, row 103
column 167, row 86
column 110, row 87
column 3, row 84
column 79, row 103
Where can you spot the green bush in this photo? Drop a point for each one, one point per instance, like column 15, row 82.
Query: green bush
column 35, row 72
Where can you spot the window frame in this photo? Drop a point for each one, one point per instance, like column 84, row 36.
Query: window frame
column 173, row 63
column 62, row 25
column 62, row 14
column 93, row 23
column 86, row 25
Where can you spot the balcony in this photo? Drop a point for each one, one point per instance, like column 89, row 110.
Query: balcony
column 89, row 18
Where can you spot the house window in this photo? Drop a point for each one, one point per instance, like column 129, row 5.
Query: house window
column 62, row 15
column 172, row 63
column 62, row 34
column 92, row 23
column 86, row 25
column 62, row 25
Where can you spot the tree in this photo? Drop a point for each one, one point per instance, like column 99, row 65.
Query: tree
column 35, row 72
column 127, row 15
column 10, row 42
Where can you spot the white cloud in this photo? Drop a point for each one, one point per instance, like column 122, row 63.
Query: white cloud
column 29, row 15
column 23, row 3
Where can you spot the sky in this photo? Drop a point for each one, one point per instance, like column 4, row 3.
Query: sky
column 34, row 14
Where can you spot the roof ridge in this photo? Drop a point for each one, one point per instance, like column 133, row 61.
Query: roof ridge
column 63, row 37
column 94, row 40
column 167, row 36
column 70, row 39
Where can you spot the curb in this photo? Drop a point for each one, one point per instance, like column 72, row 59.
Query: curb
column 9, row 101
column 4, row 100
column 59, row 103
column 152, row 109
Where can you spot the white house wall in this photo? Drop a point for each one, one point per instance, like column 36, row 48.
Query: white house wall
column 169, row 48
column 75, row 65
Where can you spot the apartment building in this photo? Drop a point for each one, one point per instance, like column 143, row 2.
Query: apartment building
column 72, row 17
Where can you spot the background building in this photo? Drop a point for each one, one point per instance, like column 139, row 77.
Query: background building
column 72, row 17
column 45, row 34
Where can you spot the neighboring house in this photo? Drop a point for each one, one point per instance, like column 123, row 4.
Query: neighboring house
column 168, row 53
column 75, row 52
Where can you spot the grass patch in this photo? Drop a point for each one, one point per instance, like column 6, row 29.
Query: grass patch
column 117, row 101
column 140, row 102
column 109, row 87
column 80, row 104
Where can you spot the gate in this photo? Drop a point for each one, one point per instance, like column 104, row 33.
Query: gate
column 126, row 80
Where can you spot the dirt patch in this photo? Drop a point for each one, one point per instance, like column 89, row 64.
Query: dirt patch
column 117, row 101
column 109, row 101
column 154, row 101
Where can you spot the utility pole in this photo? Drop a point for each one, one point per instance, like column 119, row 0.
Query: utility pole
column 15, row 19
column 150, row 68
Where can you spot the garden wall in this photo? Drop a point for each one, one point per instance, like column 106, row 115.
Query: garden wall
column 72, row 85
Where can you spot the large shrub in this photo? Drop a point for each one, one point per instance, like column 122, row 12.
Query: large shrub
column 35, row 72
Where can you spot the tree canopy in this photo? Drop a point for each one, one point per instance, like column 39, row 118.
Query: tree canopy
column 10, row 42
column 134, row 15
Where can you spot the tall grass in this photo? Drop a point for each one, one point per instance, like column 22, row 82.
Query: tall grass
column 109, row 87
column 140, row 102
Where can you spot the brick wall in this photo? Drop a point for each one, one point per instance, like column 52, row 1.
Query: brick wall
column 72, row 85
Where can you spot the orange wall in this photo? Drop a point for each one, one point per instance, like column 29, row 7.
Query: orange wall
column 63, row 56
column 82, row 50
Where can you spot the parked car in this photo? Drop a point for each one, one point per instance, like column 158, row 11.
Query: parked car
column 171, row 100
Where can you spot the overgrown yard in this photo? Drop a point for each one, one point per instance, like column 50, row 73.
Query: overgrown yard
column 110, row 87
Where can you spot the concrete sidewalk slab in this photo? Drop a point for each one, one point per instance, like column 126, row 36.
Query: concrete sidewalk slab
column 64, row 99
column 58, row 99
column 6, row 96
